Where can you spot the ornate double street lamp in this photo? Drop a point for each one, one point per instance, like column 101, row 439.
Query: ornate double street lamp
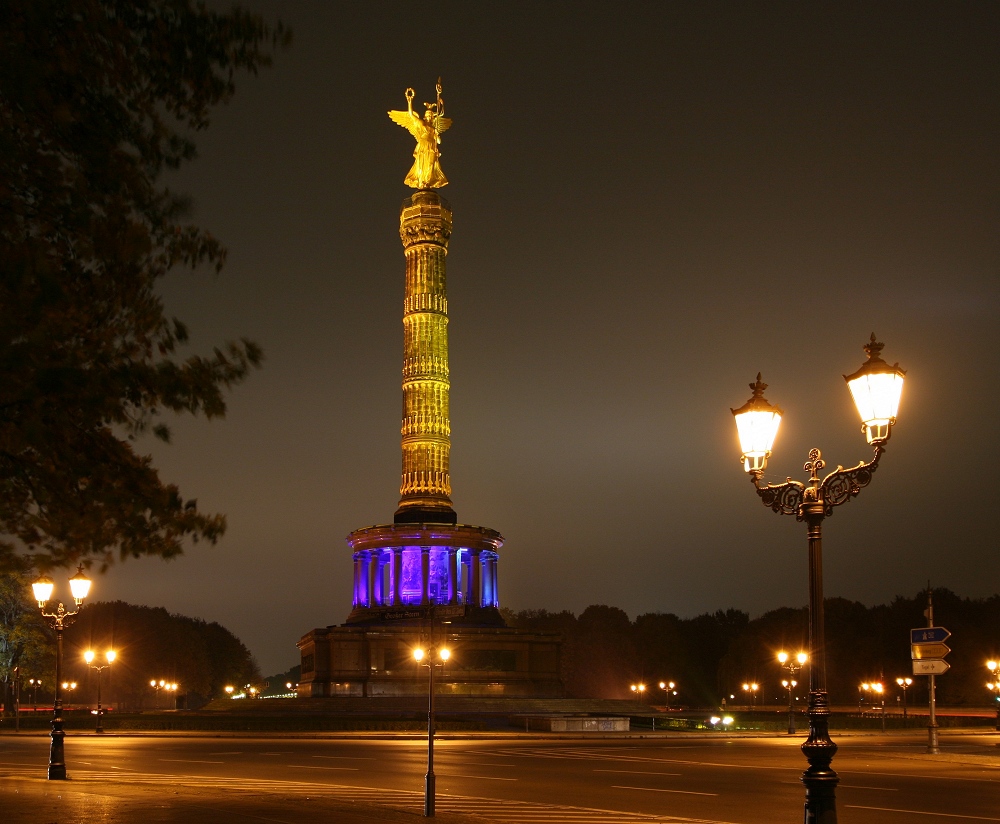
column 79, row 585
column 89, row 656
column 993, row 685
column 876, row 388
column 750, row 691
column 426, row 658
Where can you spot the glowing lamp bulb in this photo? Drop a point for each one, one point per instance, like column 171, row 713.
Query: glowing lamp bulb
column 79, row 585
column 757, row 426
column 876, row 388
column 42, row 589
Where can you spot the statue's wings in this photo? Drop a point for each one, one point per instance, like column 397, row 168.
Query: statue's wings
column 442, row 124
column 407, row 121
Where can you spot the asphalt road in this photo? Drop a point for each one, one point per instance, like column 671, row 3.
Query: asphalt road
column 671, row 778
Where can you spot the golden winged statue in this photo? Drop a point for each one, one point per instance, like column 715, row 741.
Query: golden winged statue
column 426, row 171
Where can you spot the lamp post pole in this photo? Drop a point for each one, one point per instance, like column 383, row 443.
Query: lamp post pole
column 443, row 654
column 876, row 389
column 60, row 619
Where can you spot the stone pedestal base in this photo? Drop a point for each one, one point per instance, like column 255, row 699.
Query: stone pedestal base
column 377, row 661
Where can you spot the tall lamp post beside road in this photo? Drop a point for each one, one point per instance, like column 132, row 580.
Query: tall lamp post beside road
column 89, row 656
column 876, row 388
column 426, row 658
column 994, row 685
column 79, row 585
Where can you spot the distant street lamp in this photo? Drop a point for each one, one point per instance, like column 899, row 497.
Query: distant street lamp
column 229, row 690
column 639, row 689
column 788, row 684
column 35, row 684
column 904, row 685
column 876, row 388
column 669, row 689
column 79, row 585
column 750, row 691
column 793, row 664
column 167, row 686
column 88, row 656
column 426, row 658
column 994, row 685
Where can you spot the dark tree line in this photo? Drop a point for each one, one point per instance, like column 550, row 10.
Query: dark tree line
column 711, row 656
column 150, row 645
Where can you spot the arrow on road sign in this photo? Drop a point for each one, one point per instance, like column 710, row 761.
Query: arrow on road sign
column 929, row 635
column 929, row 651
column 930, row 666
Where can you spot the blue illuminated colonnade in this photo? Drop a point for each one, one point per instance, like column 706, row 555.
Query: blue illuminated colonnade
column 402, row 565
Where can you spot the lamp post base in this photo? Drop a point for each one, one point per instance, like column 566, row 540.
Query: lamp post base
column 429, row 795
column 820, row 779
column 57, row 756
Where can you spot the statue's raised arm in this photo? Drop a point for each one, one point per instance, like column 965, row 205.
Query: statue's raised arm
column 426, row 171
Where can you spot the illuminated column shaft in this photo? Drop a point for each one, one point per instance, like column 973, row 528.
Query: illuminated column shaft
column 425, row 487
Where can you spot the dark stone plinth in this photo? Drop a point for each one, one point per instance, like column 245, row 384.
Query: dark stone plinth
column 377, row 660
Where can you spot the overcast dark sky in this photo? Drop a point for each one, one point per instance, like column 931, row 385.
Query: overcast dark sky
column 652, row 203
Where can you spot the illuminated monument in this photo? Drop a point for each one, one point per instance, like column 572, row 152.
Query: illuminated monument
column 425, row 568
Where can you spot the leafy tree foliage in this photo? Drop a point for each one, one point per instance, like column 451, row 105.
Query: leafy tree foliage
column 97, row 99
column 25, row 643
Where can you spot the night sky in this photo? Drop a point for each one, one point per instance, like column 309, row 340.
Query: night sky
column 652, row 202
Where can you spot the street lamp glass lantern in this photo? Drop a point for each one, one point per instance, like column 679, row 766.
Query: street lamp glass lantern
column 876, row 388
column 79, row 584
column 88, row 656
column 42, row 589
column 756, row 425
column 111, row 655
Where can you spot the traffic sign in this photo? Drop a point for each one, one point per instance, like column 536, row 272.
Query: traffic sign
column 929, row 635
column 924, row 651
column 930, row 666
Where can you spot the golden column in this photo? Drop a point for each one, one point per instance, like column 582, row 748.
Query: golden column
column 425, row 486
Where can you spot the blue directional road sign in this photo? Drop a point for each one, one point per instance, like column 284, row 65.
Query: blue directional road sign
column 929, row 635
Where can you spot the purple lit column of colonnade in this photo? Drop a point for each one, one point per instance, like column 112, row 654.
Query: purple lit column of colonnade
column 423, row 575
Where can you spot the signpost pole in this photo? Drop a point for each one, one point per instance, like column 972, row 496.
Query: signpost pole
column 932, row 726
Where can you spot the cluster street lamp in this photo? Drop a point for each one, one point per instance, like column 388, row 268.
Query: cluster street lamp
column 793, row 664
column 639, row 689
column 669, row 689
column 169, row 686
column 750, row 692
column 876, row 388
column 904, row 685
column 89, row 656
column 426, row 658
column 79, row 586
column 993, row 685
